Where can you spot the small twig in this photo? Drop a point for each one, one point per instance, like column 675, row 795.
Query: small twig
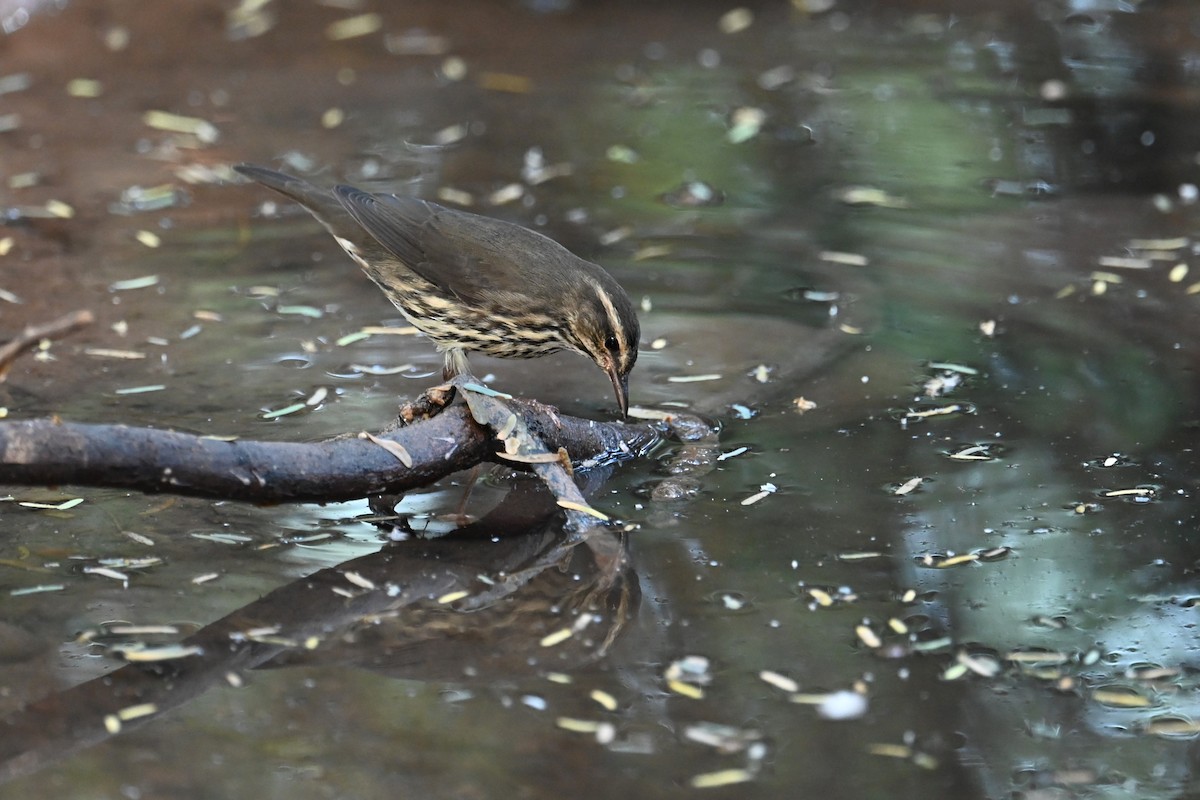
column 32, row 335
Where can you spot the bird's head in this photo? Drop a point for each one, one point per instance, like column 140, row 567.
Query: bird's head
column 604, row 327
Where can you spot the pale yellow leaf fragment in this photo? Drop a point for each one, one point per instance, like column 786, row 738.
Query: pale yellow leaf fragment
column 686, row 689
column 148, row 238
column 353, row 27
column 558, row 637
column 868, row 636
column 395, row 448
column 578, row 725
column 606, row 700
column 724, row 777
column 581, row 508
column 847, row 259
column 1120, row 262
column 803, row 405
column 779, row 681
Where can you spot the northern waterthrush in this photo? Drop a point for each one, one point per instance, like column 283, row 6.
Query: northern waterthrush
column 472, row 283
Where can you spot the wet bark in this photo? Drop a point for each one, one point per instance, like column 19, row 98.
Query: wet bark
column 51, row 452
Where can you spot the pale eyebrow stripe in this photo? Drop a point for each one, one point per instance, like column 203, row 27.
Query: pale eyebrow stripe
column 613, row 320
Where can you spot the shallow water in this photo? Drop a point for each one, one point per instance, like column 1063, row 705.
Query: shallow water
column 971, row 185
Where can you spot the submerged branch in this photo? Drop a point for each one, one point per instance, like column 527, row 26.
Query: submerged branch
column 34, row 334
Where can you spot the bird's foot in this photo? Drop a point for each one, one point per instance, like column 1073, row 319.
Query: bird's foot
column 429, row 404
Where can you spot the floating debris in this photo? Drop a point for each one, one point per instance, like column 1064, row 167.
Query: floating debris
column 454, row 69
column 606, row 700
column 1121, row 697
column 84, row 87
column 353, row 27
column 843, row 705
column 556, row 638
column 1137, row 494
column 506, row 194
column 153, row 198
column 908, row 487
column 312, row 312
column 724, row 777
column 781, row 682
column 868, row 636
column 109, row 353
column 16, row 82
column 912, row 415
column 359, row 580
column 923, row 760
column 763, row 491
column 686, row 676
column 579, row 725
column 846, row 259
column 1118, row 262
column 693, row 194
column 745, row 124
column 448, row 194
column 1037, row 656
column 154, row 387
column 1172, row 727
column 283, row 412
column 988, row 451
column 223, row 538
column 649, row 251
column 724, row 738
column 735, row 20
column 59, row 209
column 66, row 505
column 106, row 572
column 143, row 654
column 712, row 376
column 859, row 555
column 143, row 282
column 803, row 405
column 249, row 19
column 204, row 131
column 45, row 587
column 869, row 196
column 946, row 561
column 1174, row 243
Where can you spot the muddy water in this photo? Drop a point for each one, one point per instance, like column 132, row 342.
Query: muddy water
column 957, row 230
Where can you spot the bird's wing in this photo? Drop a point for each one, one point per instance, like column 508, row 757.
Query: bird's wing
column 465, row 255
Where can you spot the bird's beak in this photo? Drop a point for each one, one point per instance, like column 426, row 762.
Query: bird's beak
column 621, row 387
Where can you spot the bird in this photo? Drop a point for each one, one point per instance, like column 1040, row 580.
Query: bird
column 472, row 283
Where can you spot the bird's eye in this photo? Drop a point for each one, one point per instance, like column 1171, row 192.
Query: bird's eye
column 610, row 343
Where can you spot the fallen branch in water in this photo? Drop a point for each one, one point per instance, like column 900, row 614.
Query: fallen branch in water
column 47, row 452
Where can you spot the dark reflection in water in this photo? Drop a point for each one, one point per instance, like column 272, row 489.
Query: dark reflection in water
column 881, row 209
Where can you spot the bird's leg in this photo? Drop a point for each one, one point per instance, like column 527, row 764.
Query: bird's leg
column 455, row 363
column 460, row 513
